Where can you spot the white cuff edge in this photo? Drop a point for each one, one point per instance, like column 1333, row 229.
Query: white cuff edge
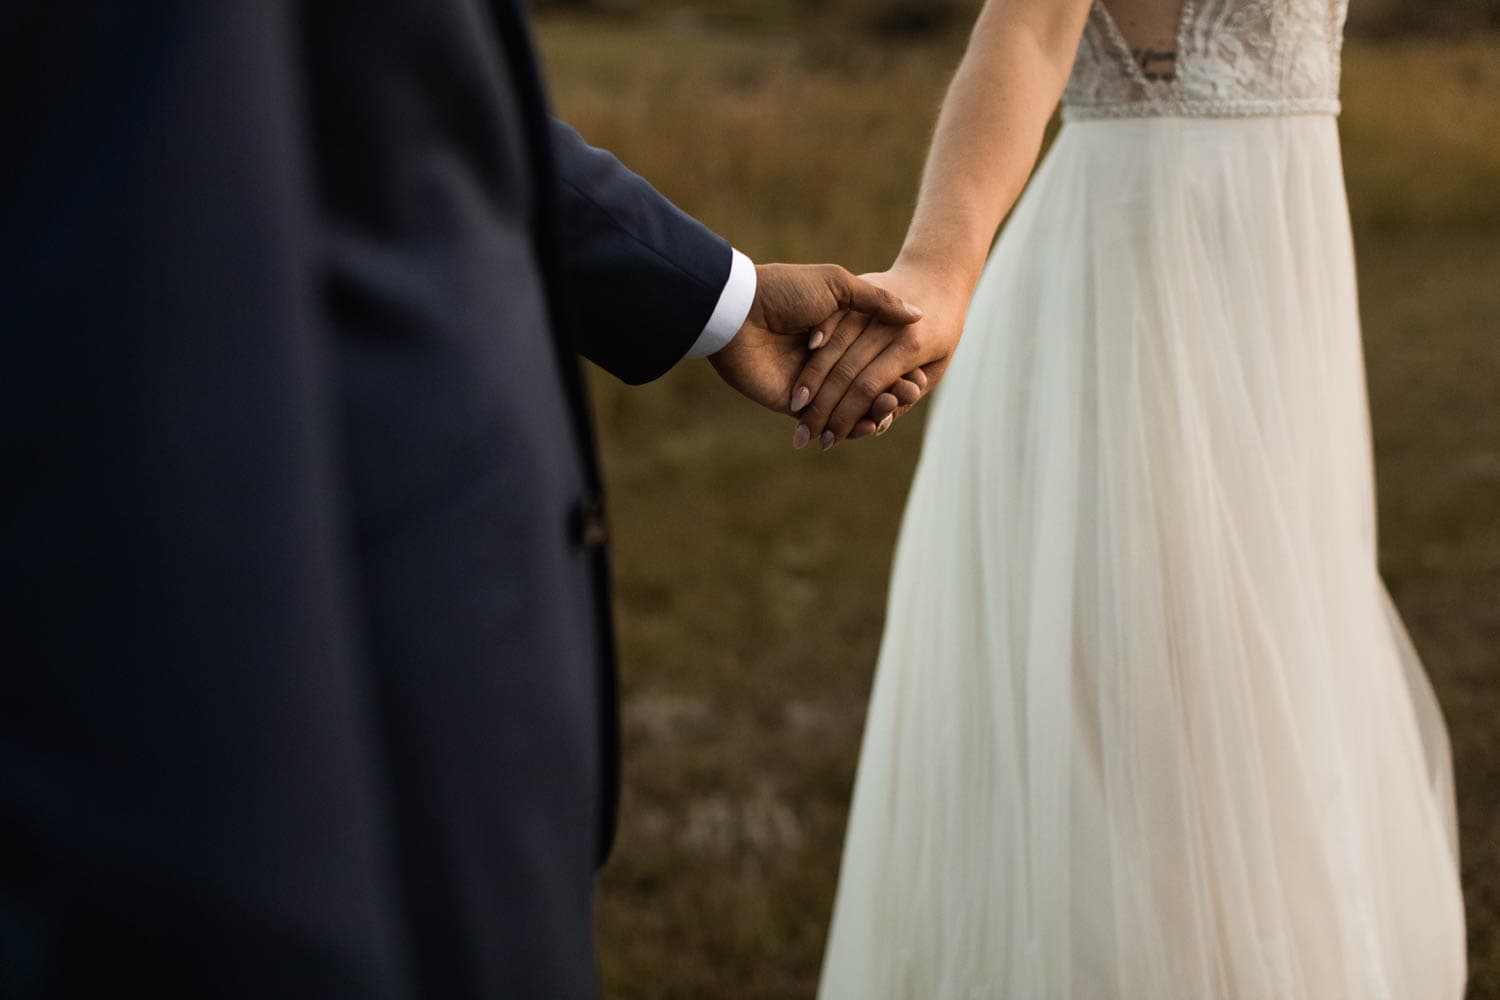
column 729, row 315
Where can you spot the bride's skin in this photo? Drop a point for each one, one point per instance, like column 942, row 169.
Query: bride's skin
column 988, row 136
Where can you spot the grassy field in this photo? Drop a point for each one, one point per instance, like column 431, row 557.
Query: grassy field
column 751, row 579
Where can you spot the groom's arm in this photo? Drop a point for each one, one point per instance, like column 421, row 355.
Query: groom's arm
column 648, row 285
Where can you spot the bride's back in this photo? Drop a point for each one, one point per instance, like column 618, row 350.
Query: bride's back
column 1208, row 58
column 1147, row 24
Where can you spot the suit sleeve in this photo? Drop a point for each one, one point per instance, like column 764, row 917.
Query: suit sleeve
column 640, row 276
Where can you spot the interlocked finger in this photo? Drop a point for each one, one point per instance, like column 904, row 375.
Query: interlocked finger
column 873, row 375
column 820, row 334
column 840, row 377
column 810, row 380
column 901, row 397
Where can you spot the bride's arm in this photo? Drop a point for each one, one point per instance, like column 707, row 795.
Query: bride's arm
column 990, row 131
column 988, row 135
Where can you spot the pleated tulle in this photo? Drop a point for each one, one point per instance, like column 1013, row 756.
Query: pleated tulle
column 1145, row 725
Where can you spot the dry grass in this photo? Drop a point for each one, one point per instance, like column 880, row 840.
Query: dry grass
column 751, row 579
column 1420, row 133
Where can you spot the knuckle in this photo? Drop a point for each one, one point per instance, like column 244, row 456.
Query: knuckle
column 837, row 278
column 868, row 386
column 914, row 347
column 845, row 371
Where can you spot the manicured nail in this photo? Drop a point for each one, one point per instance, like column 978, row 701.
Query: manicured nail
column 817, row 340
column 885, row 424
column 801, row 436
column 801, row 398
column 827, row 441
column 915, row 312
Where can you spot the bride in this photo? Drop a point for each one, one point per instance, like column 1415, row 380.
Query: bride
column 1145, row 725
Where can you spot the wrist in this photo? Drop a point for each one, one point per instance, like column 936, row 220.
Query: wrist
column 939, row 280
column 755, row 316
column 949, row 278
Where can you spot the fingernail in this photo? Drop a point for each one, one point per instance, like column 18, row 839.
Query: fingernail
column 817, row 340
column 885, row 424
column 801, row 398
column 827, row 441
column 915, row 311
column 801, row 436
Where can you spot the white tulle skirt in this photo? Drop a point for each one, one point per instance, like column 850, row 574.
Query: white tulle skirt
column 1145, row 724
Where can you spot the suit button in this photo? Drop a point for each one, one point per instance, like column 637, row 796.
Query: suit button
column 589, row 526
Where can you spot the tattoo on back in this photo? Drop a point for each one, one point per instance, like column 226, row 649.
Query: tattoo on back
column 1158, row 65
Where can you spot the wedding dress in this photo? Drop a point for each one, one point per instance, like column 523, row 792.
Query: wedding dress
column 1145, row 725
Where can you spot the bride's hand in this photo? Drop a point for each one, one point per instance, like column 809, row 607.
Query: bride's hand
column 845, row 389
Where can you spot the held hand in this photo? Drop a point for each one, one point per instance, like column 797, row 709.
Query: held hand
column 790, row 301
column 844, row 386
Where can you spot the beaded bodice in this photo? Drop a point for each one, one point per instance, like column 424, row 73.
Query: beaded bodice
column 1234, row 58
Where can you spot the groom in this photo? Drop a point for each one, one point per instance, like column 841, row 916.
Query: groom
column 305, row 677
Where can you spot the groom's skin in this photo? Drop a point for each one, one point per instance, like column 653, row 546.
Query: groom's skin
column 791, row 301
column 306, row 683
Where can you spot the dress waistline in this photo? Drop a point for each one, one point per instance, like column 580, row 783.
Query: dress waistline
column 1185, row 108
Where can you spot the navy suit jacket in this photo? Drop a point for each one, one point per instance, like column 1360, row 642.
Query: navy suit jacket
column 305, row 677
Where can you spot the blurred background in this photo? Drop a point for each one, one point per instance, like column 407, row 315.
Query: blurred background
column 751, row 579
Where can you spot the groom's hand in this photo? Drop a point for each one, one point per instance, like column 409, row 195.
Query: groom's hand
column 843, row 385
column 791, row 300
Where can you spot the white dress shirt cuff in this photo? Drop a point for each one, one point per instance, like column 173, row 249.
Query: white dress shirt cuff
column 729, row 315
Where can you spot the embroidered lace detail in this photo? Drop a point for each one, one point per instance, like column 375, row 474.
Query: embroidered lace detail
column 1235, row 58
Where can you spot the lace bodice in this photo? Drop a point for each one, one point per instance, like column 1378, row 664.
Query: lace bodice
column 1235, row 58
